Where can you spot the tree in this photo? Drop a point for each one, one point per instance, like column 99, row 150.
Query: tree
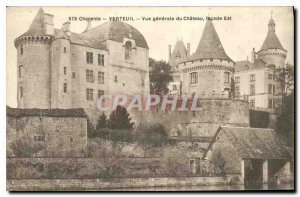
column 91, row 131
column 160, row 76
column 119, row 119
column 101, row 122
column 152, row 136
column 285, row 120
column 285, row 77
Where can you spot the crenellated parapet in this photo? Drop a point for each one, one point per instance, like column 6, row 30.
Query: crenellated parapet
column 272, row 52
column 41, row 39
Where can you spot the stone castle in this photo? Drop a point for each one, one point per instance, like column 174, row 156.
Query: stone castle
column 58, row 68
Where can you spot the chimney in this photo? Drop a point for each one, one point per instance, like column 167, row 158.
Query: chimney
column 66, row 28
column 170, row 51
column 89, row 26
column 49, row 25
column 188, row 47
column 253, row 55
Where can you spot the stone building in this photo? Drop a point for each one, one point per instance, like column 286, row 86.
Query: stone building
column 253, row 155
column 59, row 132
column 207, row 72
column 58, row 68
column 256, row 78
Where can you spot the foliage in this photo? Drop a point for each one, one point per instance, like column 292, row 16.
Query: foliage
column 91, row 131
column 119, row 119
column 285, row 76
column 259, row 119
column 285, row 120
column 218, row 162
column 152, row 136
column 25, row 147
column 160, row 76
column 101, row 122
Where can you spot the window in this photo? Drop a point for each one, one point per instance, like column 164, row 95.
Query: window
column 271, row 77
column 100, row 93
column 271, row 89
column 21, row 49
column 65, row 87
column 174, row 87
column 101, row 77
column 89, row 94
column 237, row 79
column 21, row 91
column 65, row 50
column 38, row 138
column 89, row 57
column 73, row 75
column 128, row 48
column 20, row 70
column 65, row 70
column 116, row 79
column 71, row 139
column 252, row 103
column 101, row 59
column 252, row 89
column 194, row 78
column 237, row 90
column 271, row 103
column 252, row 78
column 89, row 76
column 226, row 77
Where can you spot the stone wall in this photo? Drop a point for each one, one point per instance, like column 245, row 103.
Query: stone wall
column 63, row 136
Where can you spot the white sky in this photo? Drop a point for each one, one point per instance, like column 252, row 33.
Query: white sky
column 247, row 29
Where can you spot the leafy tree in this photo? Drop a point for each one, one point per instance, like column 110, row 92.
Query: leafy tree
column 285, row 120
column 259, row 119
column 101, row 122
column 152, row 136
column 119, row 119
column 160, row 76
column 285, row 77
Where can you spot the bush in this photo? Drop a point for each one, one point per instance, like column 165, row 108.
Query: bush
column 25, row 147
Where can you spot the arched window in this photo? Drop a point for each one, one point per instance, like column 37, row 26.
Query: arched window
column 128, row 48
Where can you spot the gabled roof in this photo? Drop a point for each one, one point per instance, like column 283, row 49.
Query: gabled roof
column 16, row 112
column 247, row 65
column 116, row 31
column 179, row 52
column 210, row 46
column 271, row 41
column 254, row 143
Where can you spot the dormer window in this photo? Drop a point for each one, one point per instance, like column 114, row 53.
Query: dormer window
column 128, row 49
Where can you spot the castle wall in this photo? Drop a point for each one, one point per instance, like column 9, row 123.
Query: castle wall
column 35, row 78
column 213, row 113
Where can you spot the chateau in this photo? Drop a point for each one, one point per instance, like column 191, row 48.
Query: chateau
column 58, row 68
column 208, row 72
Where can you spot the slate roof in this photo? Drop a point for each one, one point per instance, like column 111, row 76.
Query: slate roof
column 179, row 50
column 37, row 26
column 16, row 112
column 116, row 31
column 271, row 41
column 210, row 46
column 247, row 65
column 255, row 143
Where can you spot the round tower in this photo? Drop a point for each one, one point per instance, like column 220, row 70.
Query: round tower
column 33, row 62
column 272, row 51
column 208, row 72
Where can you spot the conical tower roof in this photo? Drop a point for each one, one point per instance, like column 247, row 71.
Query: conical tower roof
column 37, row 26
column 179, row 53
column 271, row 41
column 210, row 46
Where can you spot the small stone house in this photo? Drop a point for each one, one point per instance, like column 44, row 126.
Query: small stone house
column 59, row 132
column 251, row 154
